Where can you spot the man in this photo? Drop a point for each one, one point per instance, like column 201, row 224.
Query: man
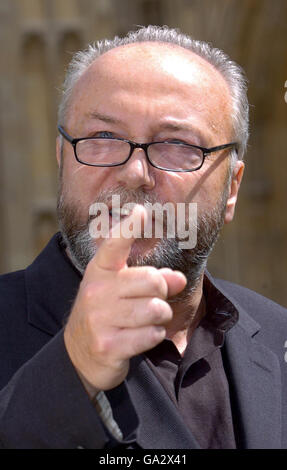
column 126, row 341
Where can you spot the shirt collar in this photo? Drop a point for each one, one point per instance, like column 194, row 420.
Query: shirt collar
column 221, row 313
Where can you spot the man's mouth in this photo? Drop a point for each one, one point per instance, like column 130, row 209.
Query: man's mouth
column 119, row 213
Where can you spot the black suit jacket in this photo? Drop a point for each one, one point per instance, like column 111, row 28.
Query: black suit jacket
column 44, row 405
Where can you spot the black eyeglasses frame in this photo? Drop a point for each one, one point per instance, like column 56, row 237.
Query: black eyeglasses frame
column 134, row 145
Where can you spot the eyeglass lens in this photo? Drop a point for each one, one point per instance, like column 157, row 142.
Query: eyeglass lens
column 112, row 151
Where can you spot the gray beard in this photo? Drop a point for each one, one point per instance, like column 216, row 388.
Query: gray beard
column 166, row 252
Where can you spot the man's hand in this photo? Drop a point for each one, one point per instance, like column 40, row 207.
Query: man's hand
column 119, row 312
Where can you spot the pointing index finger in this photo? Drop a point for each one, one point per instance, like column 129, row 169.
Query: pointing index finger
column 114, row 251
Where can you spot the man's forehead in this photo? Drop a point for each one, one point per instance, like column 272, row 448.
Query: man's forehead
column 156, row 74
column 165, row 58
column 150, row 51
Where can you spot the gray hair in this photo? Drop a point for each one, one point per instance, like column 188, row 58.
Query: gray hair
column 232, row 72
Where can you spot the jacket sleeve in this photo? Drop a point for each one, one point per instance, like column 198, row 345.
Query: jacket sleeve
column 45, row 405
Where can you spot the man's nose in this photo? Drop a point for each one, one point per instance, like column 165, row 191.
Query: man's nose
column 137, row 172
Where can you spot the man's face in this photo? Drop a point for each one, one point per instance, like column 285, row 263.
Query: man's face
column 144, row 93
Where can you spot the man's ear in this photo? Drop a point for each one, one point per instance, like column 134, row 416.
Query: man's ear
column 237, row 174
column 59, row 150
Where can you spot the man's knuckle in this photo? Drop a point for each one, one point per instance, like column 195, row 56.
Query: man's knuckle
column 162, row 311
column 103, row 344
column 156, row 308
column 157, row 282
column 91, row 291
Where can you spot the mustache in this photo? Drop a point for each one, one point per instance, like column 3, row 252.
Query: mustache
column 128, row 196
column 162, row 217
column 138, row 196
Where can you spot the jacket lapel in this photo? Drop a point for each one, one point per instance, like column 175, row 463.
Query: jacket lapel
column 161, row 426
column 254, row 376
column 52, row 283
column 254, row 373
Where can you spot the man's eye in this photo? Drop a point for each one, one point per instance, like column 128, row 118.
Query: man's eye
column 176, row 141
column 105, row 134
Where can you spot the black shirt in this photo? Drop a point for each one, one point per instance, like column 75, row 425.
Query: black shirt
column 197, row 382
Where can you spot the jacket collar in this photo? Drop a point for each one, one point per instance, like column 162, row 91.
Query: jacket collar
column 245, row 321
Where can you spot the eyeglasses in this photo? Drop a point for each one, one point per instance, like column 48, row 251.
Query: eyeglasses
column 168, row 156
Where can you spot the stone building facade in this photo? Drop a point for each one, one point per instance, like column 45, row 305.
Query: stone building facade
column 37, row 38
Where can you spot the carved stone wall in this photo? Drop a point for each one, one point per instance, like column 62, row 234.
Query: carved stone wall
column 37, row 39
